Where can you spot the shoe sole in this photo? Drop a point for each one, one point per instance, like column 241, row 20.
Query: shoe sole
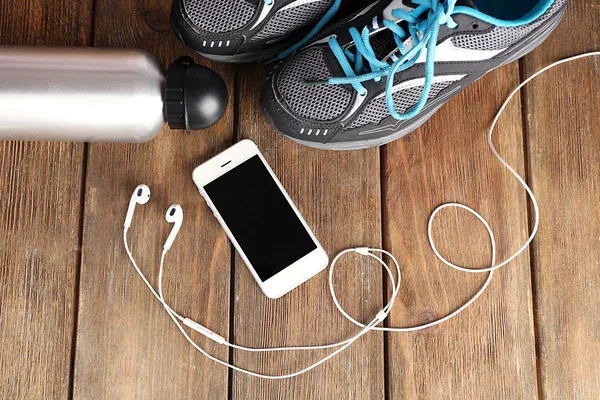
column 519, row 52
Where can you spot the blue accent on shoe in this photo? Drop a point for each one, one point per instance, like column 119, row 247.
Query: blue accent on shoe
column 423, row 24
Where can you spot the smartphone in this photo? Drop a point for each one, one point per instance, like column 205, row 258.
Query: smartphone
column 260, row 219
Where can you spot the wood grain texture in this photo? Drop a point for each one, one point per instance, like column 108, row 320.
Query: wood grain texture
column 127, row 346
column 339, row 195
column 40, row 191
column 488, row 351
column 563, row 141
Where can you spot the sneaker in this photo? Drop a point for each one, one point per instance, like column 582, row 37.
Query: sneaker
column 248, row 30
column 386, row 72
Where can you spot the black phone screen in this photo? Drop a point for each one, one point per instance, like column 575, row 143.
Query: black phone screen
column 260, row 218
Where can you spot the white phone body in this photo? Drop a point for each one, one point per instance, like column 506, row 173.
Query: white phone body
column 290, row 276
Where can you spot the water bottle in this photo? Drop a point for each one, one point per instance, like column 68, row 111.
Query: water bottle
column 102, row 95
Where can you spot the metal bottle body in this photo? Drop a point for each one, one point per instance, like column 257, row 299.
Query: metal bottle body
column 80, row 94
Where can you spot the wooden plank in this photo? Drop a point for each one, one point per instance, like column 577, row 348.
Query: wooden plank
column 488, row 351
column 40, row 191
column 563, row 139
column 339, row 195
column 126, row 344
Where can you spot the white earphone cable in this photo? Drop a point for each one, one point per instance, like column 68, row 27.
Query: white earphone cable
column 380, row 317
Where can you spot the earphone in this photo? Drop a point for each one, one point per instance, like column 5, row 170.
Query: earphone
column 141, row 195
column 175, row 215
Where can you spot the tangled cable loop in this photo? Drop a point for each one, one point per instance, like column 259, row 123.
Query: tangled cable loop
column 396, row 285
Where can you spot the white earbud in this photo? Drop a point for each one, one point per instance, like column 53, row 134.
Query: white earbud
column 174, row 215
column 140, row 196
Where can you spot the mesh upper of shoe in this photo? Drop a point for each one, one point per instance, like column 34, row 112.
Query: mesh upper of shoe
column 500, row 38
column 287, row 20
column 318, row 103
column 219, row 16
column 328, row 102
column 376, row 111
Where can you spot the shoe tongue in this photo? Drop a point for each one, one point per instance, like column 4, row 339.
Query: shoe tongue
column 383, row 43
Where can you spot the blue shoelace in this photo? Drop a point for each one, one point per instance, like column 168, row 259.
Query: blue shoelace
column 423, row 27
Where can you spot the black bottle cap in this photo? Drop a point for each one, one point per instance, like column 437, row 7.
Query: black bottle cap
column 195, row 96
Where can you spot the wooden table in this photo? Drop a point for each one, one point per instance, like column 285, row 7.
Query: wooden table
column 76, row 321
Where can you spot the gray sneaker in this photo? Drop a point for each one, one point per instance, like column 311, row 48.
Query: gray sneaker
column 248, row 30
column 387, row 70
